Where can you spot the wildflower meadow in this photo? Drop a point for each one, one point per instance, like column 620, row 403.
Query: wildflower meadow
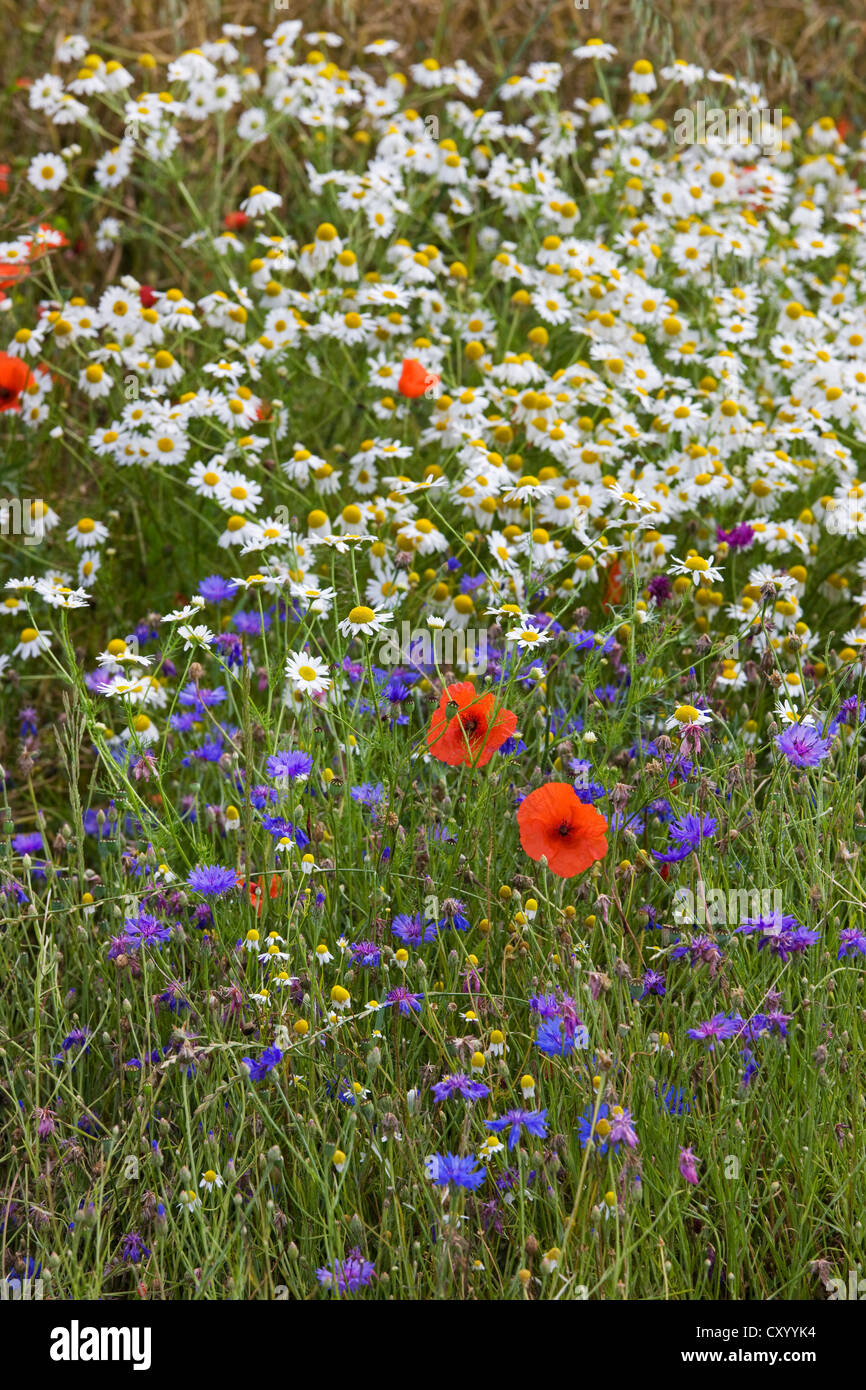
column 432, row 675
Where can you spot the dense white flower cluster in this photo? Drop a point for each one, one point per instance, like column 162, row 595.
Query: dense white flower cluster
column 623, row 342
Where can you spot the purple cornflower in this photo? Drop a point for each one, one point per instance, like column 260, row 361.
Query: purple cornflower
column 771, row 925
column 46, row 1121
column 740, row 538
column 688, row 1166
column 269, row 1059
column 782, row 933
column 533, row 1121
column 803, row 745
column 653, row 983
column 451, row 1168
column 401, row 998
column 660, row 588
column 716, row 1029
column 773, row 1022
column 133, row 1249
column 349, row 1275
column 412, row 930
column 145, row 930
column 545, row 1005
column 853, row 942
column 790, row 943
column 365, row 953
column 369, row 794
column 289, row 766
column 211, row 880
column 701, row 950
column 622, row 1130
column 459, row 1085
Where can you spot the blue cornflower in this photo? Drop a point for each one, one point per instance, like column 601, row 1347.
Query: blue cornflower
column 215, row 589
column 396, row 690
column 853, row 942
column 262, row 796
column 596, row 1134
column 459, row 1085
column 717, row 1029
column 451, row 1168
column 533, row 1121
column 30, row 842
column 211, row 880
column 269, row 1059
column 401, row 998
column 454, row 915
column 691, row 830
column 289, row 766
column 412, row 930
column 673, row 1100
column 198, row 697
column 365, row 953
column 369, row 794
column 551, row 1039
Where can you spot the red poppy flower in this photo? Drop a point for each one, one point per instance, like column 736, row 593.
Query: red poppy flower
column 554, row 822
column 11, row 274
column 4, row 178
column 613, row 591
column 472, row 735
column 147, row 296
column 256, row 894
column 14, row 376
column 234, row 221
column 415, row 378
